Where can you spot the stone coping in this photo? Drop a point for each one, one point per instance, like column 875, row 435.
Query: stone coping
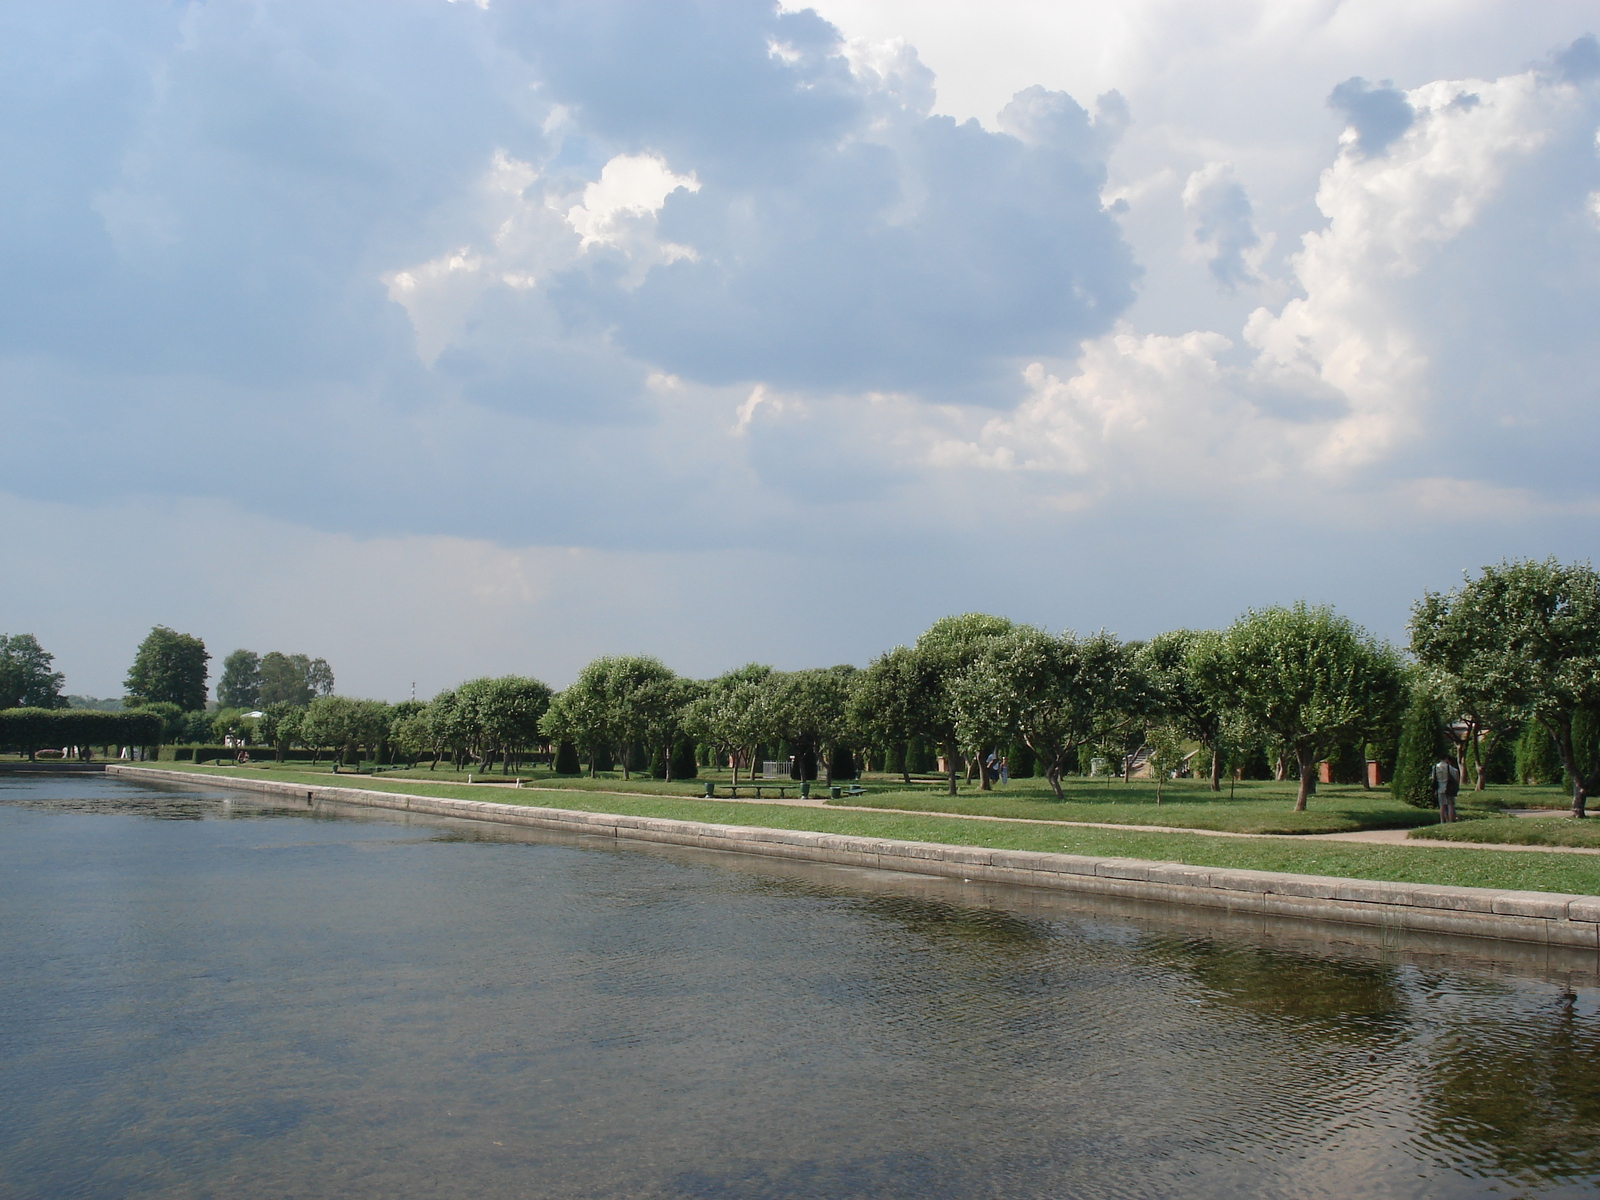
column 1547, row 918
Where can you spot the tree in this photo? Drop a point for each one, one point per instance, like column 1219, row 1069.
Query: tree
column 1525, row 635
column 446, row 726
column 1056, row 693
column 240, row 685
column 1305, row 677
column 1179, row 697
column 890, row 702
column 502, row 717
column 810, row 710
column 733, row 714
column 170, row 666
column 1166, row 755
column 947, row 648
column 279, row 726
column 345, row 726
column 293, row 679
column 26, row 680
column 408, row 730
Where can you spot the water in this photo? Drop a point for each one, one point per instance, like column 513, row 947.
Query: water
column 207, row 997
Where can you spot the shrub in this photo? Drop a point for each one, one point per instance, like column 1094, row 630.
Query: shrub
column 1422, row 741
column 567, row 760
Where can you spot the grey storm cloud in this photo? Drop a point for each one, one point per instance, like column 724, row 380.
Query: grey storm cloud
column 844, row 237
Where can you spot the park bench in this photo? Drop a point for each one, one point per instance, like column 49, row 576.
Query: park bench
column 733, row 789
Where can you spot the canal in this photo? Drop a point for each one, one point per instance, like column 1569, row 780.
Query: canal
column 207, row 995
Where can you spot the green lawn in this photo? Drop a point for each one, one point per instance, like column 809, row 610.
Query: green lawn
column 1533, row 831
column 1248, row 807
column 1419, row 864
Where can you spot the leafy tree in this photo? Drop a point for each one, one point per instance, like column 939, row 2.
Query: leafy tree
column 585, row 713
column 733, row 714
column 345, row 726
column 1167, row 754
column 170, row 666
column 446, row 725
column 1306, row 678
column 279, row 726
column 293, row 679
column 891, row 704
column 1054, row 693
column 1179, row 698
column 1525, row 635
column 928, row 673
column 501, row 717
column 240, row 685
column 26, row 680
column 408, row 730
column 197, row 728
column 810, row 710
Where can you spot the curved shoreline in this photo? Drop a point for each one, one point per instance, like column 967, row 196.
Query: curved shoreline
column 1543, row 918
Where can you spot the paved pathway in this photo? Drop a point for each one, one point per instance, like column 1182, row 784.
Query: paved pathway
column 1381, row 837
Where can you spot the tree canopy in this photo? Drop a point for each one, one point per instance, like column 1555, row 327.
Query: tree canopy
column 1524, row 637
column 1305, row 676
column 171, row 667
column 240, row 684
column 26, row 680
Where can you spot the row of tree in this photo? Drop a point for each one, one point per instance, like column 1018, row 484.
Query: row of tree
column 1512, row 654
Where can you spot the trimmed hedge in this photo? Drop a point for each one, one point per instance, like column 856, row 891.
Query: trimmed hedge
column 32, row 729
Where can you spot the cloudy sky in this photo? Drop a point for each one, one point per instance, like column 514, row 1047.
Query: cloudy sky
column 445, row 338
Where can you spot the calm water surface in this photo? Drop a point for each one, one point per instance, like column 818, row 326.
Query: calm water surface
column 205, row 997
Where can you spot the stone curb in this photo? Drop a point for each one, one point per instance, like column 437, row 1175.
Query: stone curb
column 1547, row 918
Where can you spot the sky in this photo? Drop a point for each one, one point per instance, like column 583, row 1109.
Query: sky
column 442, row 338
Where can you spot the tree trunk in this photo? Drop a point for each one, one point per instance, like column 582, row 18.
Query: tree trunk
column 1216, row 769
column 1280, row 772
column 627, row 750
column 1308, row 779
column 950, row 765
column 983, row 773
column 1053, row 778
column 826, row 753
column 666, row 757
column 591, row 764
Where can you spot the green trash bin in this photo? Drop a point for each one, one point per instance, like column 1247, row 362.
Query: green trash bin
column 711, row 790
column 834, row 791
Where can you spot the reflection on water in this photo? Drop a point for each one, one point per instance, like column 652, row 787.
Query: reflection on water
column 207, row 997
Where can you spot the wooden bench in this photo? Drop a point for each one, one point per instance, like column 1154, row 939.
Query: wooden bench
column 733, row 789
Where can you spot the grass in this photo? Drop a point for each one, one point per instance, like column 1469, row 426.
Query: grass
column 1463, row 867
column 1254, row 807
column 1511, row 831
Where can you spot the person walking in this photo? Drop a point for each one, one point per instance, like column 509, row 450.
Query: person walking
column 1447, row 783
